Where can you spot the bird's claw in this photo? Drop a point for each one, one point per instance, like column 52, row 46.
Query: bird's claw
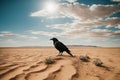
column 59, row 55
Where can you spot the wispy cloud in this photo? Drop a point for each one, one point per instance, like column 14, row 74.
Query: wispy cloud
column 45, row 33
column 91, row 33
column 80, row 11
column 109, row 22
column 87, row 22
column 80, row 32
column 71, row 1
column 10, row 34
column 85, row 28
column 7, row 33
column 86, row 18
column 115, row 0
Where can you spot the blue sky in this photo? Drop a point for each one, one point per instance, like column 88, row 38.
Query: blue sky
column 74, row 22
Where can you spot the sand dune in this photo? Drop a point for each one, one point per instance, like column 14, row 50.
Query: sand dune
column 28, row 64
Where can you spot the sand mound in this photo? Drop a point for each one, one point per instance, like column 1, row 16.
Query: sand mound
column 27, row 64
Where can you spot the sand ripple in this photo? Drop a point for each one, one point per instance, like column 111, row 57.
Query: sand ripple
column 30, row 66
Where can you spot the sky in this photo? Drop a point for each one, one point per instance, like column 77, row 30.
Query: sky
column 73, row 22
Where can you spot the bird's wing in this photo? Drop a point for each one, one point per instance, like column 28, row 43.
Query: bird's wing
column 60, row 46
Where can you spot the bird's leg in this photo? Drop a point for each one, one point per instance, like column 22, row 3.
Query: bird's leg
column 59, row 54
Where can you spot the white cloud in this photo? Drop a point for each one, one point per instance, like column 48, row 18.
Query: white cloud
column 80, row 11
column 10, row 34
column 101, row 11
column 85, row 28
column 118, row 26
column 92, row 33
column 84, row 12
column 7, row 33
column 66, row 26
column 80, row 33
column 44, row 13
column 115, row 0
column 86, row 17
column 86, row 24
column 71, row 1
column 45, row 33
column 78, row 24
column 26, row 36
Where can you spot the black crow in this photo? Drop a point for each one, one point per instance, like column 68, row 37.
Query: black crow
column 60, row 46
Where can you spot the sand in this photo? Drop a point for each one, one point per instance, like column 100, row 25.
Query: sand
column 28, row 64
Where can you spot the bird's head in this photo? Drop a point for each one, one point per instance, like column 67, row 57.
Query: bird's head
column 54, row 39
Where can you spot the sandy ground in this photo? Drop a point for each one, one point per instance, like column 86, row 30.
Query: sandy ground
column 27, row 64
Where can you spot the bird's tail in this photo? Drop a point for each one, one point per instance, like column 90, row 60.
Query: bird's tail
column 68, row 51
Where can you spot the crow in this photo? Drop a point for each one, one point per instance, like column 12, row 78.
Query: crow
column 60, row 46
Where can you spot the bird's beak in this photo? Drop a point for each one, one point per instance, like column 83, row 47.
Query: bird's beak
column 51, row 39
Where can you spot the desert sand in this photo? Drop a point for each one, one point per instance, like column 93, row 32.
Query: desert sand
column 28, row 64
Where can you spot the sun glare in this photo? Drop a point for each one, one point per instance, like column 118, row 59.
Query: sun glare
column 51, row 7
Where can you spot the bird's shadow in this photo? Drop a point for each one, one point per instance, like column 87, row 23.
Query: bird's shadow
column 65, row 56
column 105, row 67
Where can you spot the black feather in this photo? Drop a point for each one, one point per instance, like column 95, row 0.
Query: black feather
column 60, row 46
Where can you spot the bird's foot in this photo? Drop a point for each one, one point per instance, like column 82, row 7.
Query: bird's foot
column 59, row 55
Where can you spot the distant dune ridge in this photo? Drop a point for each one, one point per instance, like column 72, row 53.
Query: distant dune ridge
column 52, row 46
column 28, row 64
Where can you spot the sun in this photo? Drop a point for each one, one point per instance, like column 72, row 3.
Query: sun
column 51, row 7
